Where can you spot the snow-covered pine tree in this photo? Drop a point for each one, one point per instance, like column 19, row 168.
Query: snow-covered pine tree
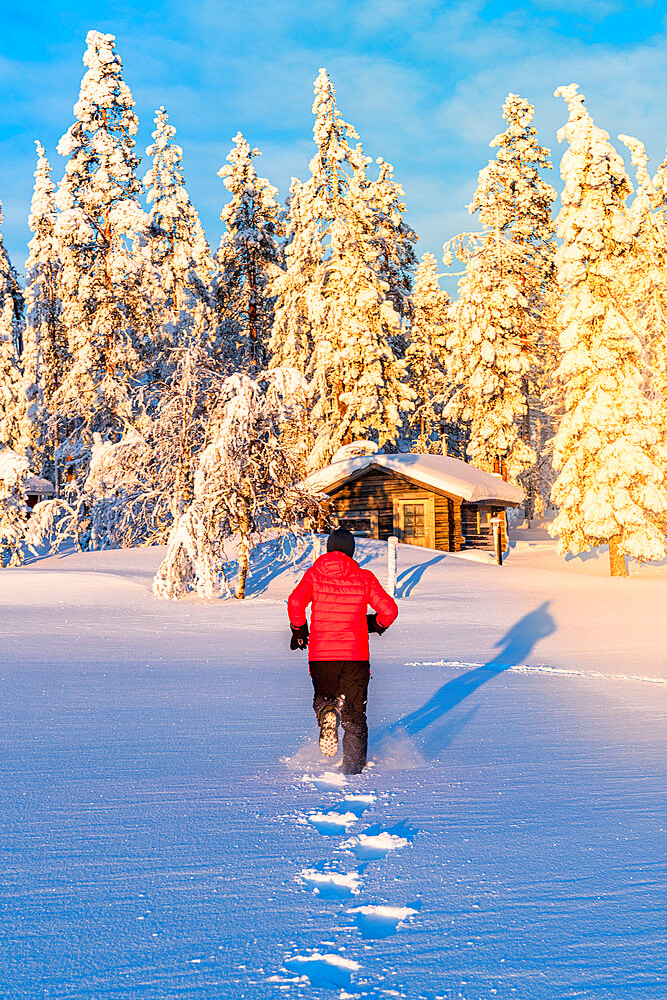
column 178, row 250
column 245, row 484
column 608, row 451
column 393, row 239
column 359, row 387
column 502, row 305
column 249, row 258
column 426, row 359
column 104, row 303
column 645, row 272
column 12, row 396
column 296, row 289
column 11, row 293
column 356, row 383
column 44, row 355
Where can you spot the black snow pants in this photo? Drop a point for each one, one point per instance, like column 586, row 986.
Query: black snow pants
column 343, row 684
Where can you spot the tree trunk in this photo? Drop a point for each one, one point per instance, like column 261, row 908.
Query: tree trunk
column 252, row 319
column 243, row 569
column 244, row 548
column 617, row 565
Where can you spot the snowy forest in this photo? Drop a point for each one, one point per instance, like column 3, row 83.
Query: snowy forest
column 177, row 394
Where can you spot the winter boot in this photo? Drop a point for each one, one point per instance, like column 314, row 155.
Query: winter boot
column 328, row 720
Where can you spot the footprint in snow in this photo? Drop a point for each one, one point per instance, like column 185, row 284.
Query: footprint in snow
column 338, row 821
column 323, row 970
column 332, row 823
column 373, row 847
column 358, row 804
column 326, row 782
column 376, row 843
column 381, row 921
column 331, row 885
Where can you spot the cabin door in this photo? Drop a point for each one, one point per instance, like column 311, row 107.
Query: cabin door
column 414, row 521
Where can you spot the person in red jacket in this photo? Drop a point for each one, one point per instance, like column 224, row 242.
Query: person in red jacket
column 339, row 593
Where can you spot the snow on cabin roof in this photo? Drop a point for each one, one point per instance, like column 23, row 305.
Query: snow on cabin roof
column 437, row 471
column 11, row 461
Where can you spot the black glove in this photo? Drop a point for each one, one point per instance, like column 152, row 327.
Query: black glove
column 374, row 625
column 299, row 638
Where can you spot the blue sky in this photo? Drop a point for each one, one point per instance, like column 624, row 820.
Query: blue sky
column 422, row 81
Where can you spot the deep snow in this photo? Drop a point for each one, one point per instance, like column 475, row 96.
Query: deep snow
column 163, row 816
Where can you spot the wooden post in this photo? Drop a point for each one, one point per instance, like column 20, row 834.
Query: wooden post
column 496, row 523
column 392, row 564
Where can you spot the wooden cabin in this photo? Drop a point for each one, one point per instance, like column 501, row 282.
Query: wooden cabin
column 431, row 500
column 35, row 488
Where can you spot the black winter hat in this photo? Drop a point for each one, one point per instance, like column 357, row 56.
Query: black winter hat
column 341, row 540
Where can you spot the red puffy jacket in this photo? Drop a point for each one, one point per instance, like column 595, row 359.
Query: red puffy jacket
column 340, row 592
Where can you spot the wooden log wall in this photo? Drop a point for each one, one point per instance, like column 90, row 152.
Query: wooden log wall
column 478, row 532
column 376, row 491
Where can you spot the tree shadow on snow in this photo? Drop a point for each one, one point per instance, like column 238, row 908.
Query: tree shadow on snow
column 270, row 559
column 409, row 578
column 430, row 722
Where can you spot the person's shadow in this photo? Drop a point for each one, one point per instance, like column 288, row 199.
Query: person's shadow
column 514, row 648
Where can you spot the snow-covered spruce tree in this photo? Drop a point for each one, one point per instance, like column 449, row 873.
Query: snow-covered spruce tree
column 245, row 484
column 11, row 295
column 178, row 250
column 426, row 357
column 14, row 511
column 104, row 303
column 356, row 382
column 608, row 452
column 12, row 396
column 44, row 357
column 502, row 307
column 249, row 258
column 296, row 295
column 296, row 289
column 645, row 272
column 393, row 239
column 359, row 387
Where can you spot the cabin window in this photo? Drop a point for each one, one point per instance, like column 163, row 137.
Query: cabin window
column 413, row 518
column 362, row 524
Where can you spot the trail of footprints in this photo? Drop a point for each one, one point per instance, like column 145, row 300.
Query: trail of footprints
column 342, row 881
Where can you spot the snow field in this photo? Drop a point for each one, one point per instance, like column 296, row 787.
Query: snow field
column 152, row 757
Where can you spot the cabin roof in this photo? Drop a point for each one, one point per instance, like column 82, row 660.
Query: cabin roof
column 440, row 472
column 11, row 461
